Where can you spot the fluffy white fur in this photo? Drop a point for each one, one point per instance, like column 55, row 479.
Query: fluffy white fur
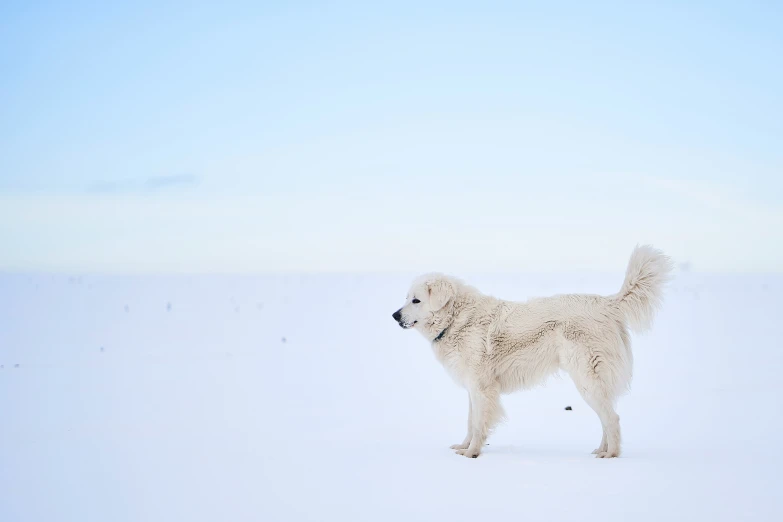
column 491, row 346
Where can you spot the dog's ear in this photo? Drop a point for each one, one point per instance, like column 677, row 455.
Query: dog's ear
column 441, row 292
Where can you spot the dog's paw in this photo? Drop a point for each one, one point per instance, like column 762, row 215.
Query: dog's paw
column 459, row 446
column 467, row 452
column 606, row 454
column 596, row 451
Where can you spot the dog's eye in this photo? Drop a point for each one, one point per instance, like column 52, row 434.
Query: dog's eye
column 415, row 301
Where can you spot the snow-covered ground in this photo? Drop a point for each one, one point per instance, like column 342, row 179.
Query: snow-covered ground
column 282, row 398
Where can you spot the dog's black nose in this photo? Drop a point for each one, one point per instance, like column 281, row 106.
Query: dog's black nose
column 397, row 315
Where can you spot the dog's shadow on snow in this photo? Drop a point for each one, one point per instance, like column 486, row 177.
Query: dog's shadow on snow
column 532, row 452
column 559, row 453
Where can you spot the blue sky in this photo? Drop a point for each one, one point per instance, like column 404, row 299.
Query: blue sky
column 239, row 137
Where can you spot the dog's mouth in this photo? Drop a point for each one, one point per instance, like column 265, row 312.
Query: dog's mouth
column 405, row 325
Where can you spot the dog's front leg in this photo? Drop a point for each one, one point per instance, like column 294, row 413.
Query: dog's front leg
column 486, row 412
column 469, row 436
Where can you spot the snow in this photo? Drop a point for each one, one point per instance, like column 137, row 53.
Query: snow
column 176, row 398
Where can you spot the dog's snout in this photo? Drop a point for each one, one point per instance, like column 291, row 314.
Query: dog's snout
column 397, row 315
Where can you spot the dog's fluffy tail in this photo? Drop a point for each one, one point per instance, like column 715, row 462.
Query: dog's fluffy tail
column 642, row 292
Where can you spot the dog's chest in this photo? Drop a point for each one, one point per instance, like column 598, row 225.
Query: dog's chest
column 452, row 360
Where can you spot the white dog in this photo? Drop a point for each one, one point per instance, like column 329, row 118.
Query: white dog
column 491, row 346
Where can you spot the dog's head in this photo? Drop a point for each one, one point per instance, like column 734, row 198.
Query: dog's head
column 427, row 297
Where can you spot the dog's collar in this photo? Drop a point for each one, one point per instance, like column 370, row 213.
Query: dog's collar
column 440, row 335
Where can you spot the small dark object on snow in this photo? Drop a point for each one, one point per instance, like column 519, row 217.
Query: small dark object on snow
column 127, row 309
column 2, row 366
column 568, row 408
column 283, row 339
column 168, row 307
column 101, row 348
column 16, row 365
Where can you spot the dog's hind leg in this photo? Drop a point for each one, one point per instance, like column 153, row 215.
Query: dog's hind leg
column 601, row 370
column 486, row 413
column 466, row 443
column 602, row 447
column 610, row 421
